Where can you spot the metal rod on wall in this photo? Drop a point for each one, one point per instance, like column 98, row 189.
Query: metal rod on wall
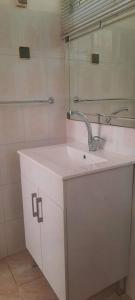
column 78, row 100
column 50, row 100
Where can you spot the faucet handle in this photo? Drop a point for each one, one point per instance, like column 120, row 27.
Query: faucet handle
column 98, row 138
column 68, row 115
column 100, row 142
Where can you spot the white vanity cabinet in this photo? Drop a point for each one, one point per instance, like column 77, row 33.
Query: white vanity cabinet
column 80, row 233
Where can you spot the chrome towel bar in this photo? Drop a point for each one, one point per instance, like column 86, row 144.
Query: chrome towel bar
column 50, row 100
column 78, row 100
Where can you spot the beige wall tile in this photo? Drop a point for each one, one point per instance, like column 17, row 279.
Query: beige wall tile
column 7, row 78
column 2, row 215
column 56, row 78
column 45, row 5
column 9, row 161
column 42, row 5
column 51, row 36
column 11, row 124
column 3, row 242
column 30, row 28
column 36, row 122
column 57, row 126
column 31, row 79
column 5, row 38
column 15, row 236
column 12, row 201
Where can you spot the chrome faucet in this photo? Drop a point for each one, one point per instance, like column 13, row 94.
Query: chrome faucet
column 108, row 119
column 94, row 142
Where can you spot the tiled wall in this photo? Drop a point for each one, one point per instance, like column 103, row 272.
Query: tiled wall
column 27, row 125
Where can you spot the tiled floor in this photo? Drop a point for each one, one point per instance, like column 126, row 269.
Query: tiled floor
column 20, row 279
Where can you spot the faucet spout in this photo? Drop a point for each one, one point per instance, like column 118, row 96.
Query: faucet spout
column 108, row 119
column 94, row 143
column 85, row 120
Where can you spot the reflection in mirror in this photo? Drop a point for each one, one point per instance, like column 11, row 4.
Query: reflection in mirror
column 102, row 74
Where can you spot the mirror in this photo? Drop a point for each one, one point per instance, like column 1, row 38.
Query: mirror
column 102, row 74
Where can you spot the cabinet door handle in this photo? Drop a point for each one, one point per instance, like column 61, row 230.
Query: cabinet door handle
column 39, row 210
column 34, row 206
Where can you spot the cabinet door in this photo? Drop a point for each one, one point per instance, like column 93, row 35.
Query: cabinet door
column 52, row 236
column 32, row 227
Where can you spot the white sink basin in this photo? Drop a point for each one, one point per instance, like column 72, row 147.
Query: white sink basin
column 65, row 159
column 66, row 156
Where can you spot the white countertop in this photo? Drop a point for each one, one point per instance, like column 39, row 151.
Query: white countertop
column 63, row 162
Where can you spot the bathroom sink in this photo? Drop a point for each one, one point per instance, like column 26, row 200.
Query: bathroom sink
column 68, row 156
column 70, row 160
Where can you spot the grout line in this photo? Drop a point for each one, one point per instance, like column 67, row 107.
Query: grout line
column 17, row 288
column 12, row 273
